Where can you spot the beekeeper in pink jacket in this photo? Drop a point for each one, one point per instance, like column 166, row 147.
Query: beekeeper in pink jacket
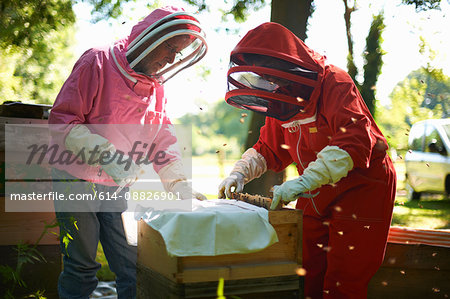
column 119, row 85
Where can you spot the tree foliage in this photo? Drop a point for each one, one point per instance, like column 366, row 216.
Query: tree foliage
column 35, row 40
column 438, row 87
column 422, row 5
column 421, row 95
column 210, row 135
column 26, row 22
column 373, row 52
column 238, row 9
column 36, row 75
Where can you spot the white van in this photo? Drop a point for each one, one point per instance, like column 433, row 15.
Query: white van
column 428, row 158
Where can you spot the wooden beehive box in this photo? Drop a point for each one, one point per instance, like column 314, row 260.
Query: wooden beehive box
column 413, row 271
column 27, row 227
column 268, row 271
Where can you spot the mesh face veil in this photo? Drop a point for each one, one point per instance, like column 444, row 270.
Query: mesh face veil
column 268, row 85
column 168, row 46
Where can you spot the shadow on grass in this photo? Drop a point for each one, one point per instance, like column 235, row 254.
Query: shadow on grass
column 431, row 212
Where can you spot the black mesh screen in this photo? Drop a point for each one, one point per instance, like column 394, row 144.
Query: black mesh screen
column 269, row 107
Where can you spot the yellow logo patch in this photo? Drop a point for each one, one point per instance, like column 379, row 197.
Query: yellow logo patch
column 313, row 130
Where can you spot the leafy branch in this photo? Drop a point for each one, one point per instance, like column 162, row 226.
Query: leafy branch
column 29, row 254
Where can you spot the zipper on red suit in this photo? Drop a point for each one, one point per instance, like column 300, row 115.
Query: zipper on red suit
column 293, row 127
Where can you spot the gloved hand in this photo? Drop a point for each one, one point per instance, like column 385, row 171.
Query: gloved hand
column 185, row 191
column 174, row 180
column 252, row 165
column 122, row 170
column 331, row 165
column 236, row 180
column 288, row 191
column 119, row 172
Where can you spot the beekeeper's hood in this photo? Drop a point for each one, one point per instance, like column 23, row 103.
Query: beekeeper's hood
column 165, row 42
column 274, row 73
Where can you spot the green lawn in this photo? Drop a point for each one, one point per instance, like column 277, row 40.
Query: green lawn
column 432, row 211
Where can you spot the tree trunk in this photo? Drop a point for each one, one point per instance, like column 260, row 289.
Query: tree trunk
column 263, row 184
column 373, row 57
column 352, row 70
column 293, row 14
column 373, row 53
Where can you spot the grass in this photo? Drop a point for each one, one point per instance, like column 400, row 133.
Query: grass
column 104, row 274
column 431, row 212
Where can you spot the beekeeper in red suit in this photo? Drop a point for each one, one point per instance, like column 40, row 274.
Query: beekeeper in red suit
column 121, row 84
column 316, row 118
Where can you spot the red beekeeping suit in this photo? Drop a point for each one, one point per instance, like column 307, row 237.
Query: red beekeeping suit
column 345, row 226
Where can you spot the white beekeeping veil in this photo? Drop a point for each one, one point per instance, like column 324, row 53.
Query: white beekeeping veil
column 179, row 34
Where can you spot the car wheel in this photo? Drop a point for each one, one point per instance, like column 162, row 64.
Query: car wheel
column 447, row 187
column 411, row 194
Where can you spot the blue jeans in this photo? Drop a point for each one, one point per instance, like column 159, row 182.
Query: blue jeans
column 86, row 229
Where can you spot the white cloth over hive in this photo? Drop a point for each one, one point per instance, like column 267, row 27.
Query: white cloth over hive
column 214, row 227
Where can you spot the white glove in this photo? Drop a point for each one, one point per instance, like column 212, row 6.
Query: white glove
column 331, row 165
column 185, row 191
column 251, row 166
column 174, row 180
column 118, row 173
column 236, row 180
column 288, row 191
column 122, row 168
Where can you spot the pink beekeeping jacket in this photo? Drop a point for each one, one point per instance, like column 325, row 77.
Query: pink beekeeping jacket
column 103, row 90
